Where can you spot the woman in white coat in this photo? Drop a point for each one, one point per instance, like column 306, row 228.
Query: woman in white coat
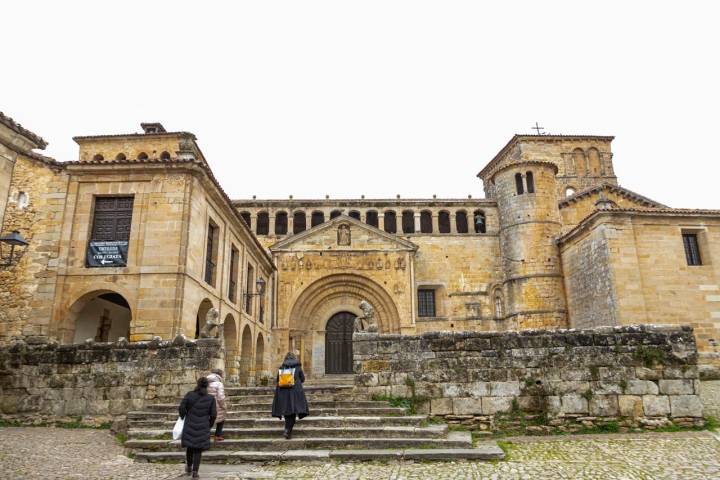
column 217, row 390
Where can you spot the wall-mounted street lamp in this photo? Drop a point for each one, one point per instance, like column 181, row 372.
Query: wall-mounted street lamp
column 259, row 288
column 14, row 239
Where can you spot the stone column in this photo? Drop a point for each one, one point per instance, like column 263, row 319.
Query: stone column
column 363, row 216
column 436, row 222
column 290, row 224
column 253, row 222
column 417, row 222
column 271, row 224
column 381, row 220
column 453, row 222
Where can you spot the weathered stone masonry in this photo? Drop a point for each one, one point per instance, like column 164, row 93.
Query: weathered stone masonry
column 99, row 381
column 640, row 372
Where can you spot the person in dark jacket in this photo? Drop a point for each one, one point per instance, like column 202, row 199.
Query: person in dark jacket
column 290, row 402
column 198, row 410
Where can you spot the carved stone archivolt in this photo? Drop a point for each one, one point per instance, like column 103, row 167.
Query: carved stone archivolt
column 343, row 261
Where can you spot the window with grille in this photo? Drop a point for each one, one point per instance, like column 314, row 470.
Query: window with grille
column 232, row 284
column 692, row 250
column 112, row 218
column 211, row 254
column 426, row 302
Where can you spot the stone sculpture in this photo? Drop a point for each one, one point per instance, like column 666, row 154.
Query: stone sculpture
column 366, row 323
column 212, row 322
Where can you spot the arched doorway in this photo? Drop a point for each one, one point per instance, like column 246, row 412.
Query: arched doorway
column 102, row 316
column 259, row 358
column 203, row 309
column 230, row 341
column 246, row 356
column 338, row 343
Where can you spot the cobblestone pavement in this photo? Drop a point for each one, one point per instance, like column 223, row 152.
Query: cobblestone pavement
column 50, row 453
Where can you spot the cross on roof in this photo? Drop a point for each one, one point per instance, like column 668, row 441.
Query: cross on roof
column 538, row 128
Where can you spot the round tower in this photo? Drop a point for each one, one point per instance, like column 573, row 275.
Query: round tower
column 526, row 195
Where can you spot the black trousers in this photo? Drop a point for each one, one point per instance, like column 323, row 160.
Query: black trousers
column 219, row 429
column 192, row 458
column 289, row 422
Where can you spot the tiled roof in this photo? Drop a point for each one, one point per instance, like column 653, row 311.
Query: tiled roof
column 613, row 188
column 518, row 136
column 16, row 127
column 120, row 135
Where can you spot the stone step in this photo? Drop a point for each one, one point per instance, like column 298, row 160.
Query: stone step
column 266, row 405
column 452, row 440
column 311, row 397
column 265, row 412
column 269, row 390
column 486, row 452
column 303, row 431
column 312, row 421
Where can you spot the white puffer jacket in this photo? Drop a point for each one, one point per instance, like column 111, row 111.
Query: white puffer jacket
column 217, row 390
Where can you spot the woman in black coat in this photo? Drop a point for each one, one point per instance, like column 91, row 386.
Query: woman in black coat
column 198, row 410
column 290, row 402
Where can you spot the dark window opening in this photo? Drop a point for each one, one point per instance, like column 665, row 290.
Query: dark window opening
column 249, row 289
column 479, row 221
column 426, row 302
column 444, row 222
column 98, row 158
column 354, row 214
column 165, row 156
column 530, row 182
column 317, row 218
column 692, row 250
column 263, row 224
column 426, row 222
column 142, row 156
column 371, row 218
column 112, row 218
column 281, row 223
column 519, row 183
column 461, row 222
column 408, row 221
column 120, row 156
column 390, row 222
column 246, row 217
column 232, row 284
column 335, row 214
column 211, row 254
column 299, row 220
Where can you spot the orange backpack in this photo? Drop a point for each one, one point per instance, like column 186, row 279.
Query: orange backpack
column 286, row 377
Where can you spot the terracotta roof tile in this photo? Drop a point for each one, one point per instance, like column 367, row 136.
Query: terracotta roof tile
column 16, row 127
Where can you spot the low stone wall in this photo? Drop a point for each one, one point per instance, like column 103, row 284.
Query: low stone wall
column 636, row 375
column 99, row 382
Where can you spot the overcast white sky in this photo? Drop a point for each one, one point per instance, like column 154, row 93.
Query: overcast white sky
column 376, row 97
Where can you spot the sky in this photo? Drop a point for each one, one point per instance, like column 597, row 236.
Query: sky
column 376, row 98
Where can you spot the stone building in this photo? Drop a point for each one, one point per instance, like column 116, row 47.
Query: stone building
column 555, row 243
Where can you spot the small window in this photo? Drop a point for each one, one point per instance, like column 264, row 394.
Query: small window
column 461, row 222
column 692, row 250
column 371, row 218
column 479, row 221
column 426, row 302
column 262, row 226
column 249, row 286
column 142, row 156
column 165, row 156
column 317, row 218
column 98, row 158
column 335, row 214
column 211, row 253
column 112, row 218
column 499, row 313
column 22, row 200
column 408, row 221
column 232, row 284
column 519, row 183
column 426, row 225
column 120, row 156
column 444, row 222
column 530, row 182
column 390, row 222
column 246, row 217
column 354, row 214
column 299, row 222
column 281, row 223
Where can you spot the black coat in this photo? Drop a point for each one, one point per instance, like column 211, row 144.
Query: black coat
column 291, row 400
column 198, row 410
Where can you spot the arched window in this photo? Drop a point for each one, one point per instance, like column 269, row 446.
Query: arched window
column 317, row 218
column 120, row 156
column 579, row 161
column 530, row 182
column 142, row 156
column 408, row 221
column 22, row 200
column 519, row 183
column 390, row 222
column 263, row 224
column 498, row 300
column 569, row 191
column 335, row 214
column 299, row 222
column 281, row 223
column 444, row 222
column 354, row 214
column 246, row 217
column 98, row 158
column 165, row 156
column 371, row 218
column 461, row 223
column 593, row 158
column 426, row 225
column 479, row 221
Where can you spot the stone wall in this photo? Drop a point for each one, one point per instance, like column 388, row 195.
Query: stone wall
column 99, row 381
column 647, row 374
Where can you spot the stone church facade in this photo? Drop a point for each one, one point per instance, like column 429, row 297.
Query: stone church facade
column 555, row 243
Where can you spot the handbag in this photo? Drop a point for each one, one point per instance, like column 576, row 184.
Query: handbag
column 286, row 377
column 178, row 428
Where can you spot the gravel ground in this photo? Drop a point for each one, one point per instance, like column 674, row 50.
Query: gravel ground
column 53, row 453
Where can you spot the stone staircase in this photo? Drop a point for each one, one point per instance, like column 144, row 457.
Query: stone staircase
column 344, row 425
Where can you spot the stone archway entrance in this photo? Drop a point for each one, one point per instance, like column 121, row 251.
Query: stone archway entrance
column 338, row 343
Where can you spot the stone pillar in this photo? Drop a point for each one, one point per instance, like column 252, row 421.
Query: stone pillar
column 253, row 222
column 435, row 222
column 453, row 222
column 363, row 216
column 417, row 222
column 381, row 221
column 271, row 224
column 290, row 223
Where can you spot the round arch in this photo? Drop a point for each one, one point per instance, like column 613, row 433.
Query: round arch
column 203, row 309
column 102, row 315
column 246, row 357
column 230, row 341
